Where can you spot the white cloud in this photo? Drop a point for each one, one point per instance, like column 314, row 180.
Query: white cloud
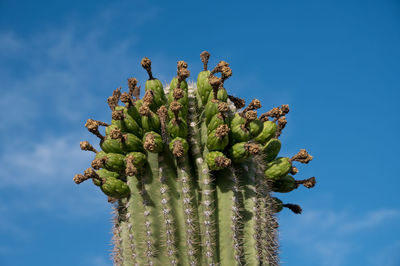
column 43, row 163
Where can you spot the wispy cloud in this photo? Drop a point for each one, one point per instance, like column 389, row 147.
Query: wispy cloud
column 98, row 261
column 329, row 237
column 51, row 82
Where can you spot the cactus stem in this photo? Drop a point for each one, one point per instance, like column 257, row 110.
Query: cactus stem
column 146, row 64
column 266, row 237
column 135, row 205
column 126, row 237
column 116, row 239
column 230, row 204
column 149, row 243
column 204, row 56
column 250, row 225
column 189, row 209
column 206, row 197
column 167, row 205
column 86, row 146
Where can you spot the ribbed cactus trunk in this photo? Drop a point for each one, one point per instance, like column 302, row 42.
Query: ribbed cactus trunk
column 190, row 172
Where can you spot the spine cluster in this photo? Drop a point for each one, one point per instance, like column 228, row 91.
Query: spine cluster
column 191, row 171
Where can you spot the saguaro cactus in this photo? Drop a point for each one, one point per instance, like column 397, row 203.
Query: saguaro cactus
column 190, row 171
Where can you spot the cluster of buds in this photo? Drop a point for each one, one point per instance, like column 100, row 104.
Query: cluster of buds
column 208, row 134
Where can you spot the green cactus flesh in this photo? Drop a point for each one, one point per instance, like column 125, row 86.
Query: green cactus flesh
column 190, row 176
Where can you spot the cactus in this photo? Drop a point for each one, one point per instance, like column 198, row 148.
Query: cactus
column 190, row 172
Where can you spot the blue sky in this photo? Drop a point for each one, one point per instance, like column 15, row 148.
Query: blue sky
column 336, row 63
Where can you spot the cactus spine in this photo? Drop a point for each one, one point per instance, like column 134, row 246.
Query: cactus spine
column 190, row 173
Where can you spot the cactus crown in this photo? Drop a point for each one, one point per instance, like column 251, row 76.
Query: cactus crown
column 190, row 175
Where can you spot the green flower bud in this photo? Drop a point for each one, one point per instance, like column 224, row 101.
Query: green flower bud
column 117, row 142
column 240, row 134
column 203, row 86
column 138, row 104
column 111, row 161
column 271, row 149
column 284, row 184
column 184, row 86
column 217, row 160
column 242, row 150
column 222, row 95
column 238, row 120
column 158, row 92
column 182, row 113
column 278, row 168
column 183, row 99
column 132, row 143
column 112, row 145
column 104, row 174
column 278, row 205
column 268, row 132
column 115, row 188
column 177, row 128
column 179, row 147
column 134, row 162
column 218, row 139
column 216, row 121
column 128, row 123
column 133, row 111
column 152, row 142
column 150, row 121
column 211, row 109
column 255, row 127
